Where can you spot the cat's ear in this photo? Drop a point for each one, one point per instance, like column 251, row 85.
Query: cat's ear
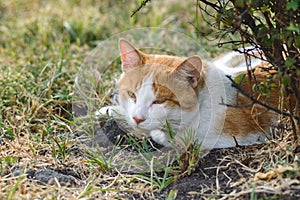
column 129, row 55
column 190, row 70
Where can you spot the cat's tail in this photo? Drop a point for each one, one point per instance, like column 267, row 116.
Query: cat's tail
column 235, row 62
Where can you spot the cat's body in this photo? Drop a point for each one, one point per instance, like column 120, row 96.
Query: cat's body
column 191, row 95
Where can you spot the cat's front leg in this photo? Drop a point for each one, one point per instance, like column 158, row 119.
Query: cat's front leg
column 115, row 112
column 160, row 137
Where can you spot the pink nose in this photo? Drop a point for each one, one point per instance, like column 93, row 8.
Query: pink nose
column 138, row 120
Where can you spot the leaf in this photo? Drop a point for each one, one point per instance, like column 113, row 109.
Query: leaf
column 7, row 159
column 293, row 5
column 1, row 122
column 170, row 130
column 265, row 8
column 70, row 30
column 172, row 195
column 298, row 72
column 292, row 27
column 286, row 79
column 273, row 85
column 255, row 88
column 239, row 3
column 297, row 41
column 239, row 79
column 283, row 169
column 273, row 173
column 8, row 133
column 290, row 41
column 266, row 176
column 290, row 62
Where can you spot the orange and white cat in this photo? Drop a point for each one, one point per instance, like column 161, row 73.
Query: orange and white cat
column 191, row 95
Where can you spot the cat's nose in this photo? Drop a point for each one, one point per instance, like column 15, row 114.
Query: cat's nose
column 138, row 120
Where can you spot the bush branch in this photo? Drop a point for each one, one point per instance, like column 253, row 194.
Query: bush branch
column 143, row 3
column 255, row 101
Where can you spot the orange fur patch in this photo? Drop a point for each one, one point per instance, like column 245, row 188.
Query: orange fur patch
column 166, row 85
column 249, row 118
column 240, row 121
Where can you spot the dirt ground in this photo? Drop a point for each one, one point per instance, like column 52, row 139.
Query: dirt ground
column 223, row 174
column 234, row 173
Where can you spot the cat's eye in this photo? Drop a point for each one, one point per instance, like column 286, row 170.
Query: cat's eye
column 159, row 101
column 132, row 95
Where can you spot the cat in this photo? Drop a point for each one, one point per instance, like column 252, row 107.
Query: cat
column 191, row 95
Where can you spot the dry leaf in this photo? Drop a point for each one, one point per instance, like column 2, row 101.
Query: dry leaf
column 263, row 176
column 281, row 169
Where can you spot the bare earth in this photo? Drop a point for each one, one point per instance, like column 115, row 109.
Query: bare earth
column 236, row 173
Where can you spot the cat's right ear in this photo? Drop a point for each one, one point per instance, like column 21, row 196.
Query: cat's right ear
column 190, row 70
column 129, row 55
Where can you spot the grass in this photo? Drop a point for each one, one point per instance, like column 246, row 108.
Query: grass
column 43, row 45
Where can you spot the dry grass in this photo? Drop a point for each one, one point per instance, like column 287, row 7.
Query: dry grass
column 42, row 46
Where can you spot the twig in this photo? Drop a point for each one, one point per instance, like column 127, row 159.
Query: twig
column 255, row 101
column 236, row 105
column 215, row 6
column 229, row 179
column 143, row 3
column 236, row 142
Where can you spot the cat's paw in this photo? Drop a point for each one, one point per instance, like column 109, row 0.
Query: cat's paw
column 109, row 111
column 104, row 111
column 160, row 137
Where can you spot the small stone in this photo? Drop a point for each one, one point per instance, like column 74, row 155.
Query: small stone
column 48, row 176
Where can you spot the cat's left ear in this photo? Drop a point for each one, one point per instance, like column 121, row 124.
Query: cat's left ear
column 190, row 69
column 130, row 56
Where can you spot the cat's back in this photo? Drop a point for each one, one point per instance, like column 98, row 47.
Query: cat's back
column 244, row 116
column 234, row 62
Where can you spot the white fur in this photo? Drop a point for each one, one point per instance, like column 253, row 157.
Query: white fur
column 226, row 62
column 160, row 137
column 142, row 108
column 155, row 114
column 205, row 121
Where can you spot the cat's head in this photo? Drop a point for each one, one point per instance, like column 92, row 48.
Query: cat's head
column 156, row 88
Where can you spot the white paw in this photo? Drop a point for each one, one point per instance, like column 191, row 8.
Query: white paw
column 111, row 111
column 103, row 112
column 160, row 137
